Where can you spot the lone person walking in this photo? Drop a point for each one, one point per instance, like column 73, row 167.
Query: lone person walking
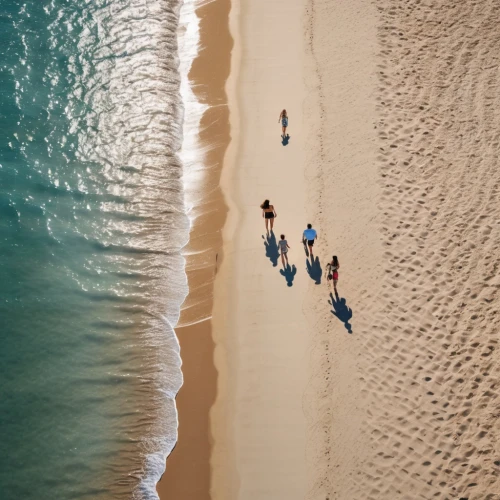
column 284, row 122
column 309, row 236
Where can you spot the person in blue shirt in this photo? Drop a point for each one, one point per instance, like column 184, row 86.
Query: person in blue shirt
column 309, row 236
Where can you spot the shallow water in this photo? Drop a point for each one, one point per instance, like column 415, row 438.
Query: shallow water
column 92, row 221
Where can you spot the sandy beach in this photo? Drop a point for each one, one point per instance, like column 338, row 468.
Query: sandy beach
column 262, row 329
column 388, row 390
column 410, row 410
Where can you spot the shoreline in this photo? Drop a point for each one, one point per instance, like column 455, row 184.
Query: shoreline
column 207, row 77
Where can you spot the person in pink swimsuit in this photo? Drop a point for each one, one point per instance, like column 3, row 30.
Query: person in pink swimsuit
column 332, row 269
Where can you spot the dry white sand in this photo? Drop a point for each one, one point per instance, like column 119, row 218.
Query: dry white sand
column 391, row 391
column 343, row 193
column 259, row 321
column 408, row 408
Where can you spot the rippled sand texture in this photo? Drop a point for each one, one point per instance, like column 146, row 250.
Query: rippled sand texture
column 435, row 368
column 427, row 359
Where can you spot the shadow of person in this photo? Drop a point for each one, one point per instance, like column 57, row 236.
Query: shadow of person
column 285, row 139
column 271, row 247
column 314, row 270
column 341, row 310
column 306, row 249
column 289, row 274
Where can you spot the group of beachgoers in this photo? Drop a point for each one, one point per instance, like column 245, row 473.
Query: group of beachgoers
column 309, row 236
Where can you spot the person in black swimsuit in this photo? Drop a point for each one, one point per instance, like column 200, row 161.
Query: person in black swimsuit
column 269, row 214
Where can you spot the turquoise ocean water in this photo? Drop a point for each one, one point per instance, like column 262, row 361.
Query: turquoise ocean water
column 92, row 222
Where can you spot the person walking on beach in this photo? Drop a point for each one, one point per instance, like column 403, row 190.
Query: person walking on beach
column 309, row 236
column 332, row 269
column 284, row 122
column 283, row 244
column 269, row 214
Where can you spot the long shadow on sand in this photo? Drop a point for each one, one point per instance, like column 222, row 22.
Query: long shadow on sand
column 306, row 250
column 271, row 247
column 314, row 270
column 289, row 274
column 341, row 310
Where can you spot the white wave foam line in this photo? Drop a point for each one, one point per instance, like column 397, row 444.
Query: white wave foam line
column 192, row 152
column 191, row 155
column 196, row 322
